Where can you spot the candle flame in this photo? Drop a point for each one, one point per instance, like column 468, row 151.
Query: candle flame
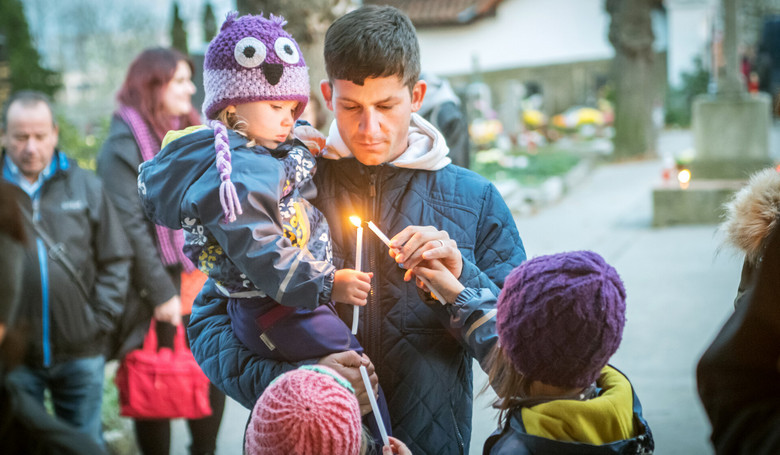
column 356, row 220
column 684, row 176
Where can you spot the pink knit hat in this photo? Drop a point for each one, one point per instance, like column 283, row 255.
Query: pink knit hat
column 311, row 410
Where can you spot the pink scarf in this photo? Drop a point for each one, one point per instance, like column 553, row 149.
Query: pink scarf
column 169, row 241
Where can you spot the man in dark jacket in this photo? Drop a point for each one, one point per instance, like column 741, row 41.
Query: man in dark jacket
column 388, row 165
column 76, row 265
column 25, row 426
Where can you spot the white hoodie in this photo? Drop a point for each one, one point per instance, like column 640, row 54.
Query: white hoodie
column 427, row 148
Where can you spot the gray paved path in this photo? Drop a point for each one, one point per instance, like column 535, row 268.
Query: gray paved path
column 679, row 289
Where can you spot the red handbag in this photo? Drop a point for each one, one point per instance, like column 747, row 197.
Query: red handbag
column 164, row 383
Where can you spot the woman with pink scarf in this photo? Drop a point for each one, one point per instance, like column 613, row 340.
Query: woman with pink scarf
column 155, row 97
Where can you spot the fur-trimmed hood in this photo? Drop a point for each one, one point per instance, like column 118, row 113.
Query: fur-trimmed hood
column 752, row 214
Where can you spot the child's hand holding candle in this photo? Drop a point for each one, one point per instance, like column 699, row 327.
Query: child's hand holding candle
column 374, row 406
column 435, row 273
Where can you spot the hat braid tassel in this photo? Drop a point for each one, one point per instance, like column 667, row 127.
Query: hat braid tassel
column 228, row 197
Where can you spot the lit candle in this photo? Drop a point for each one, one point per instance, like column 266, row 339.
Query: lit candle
column 358, row 265
column 386, row 241
column 374, row 407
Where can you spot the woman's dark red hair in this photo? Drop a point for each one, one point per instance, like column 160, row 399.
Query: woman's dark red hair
column 146, row 79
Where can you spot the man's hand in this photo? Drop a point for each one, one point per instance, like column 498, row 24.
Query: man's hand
column 417, row 243
column 347, row 364
column 351, row 286
column 169, row 311
column 311, row 137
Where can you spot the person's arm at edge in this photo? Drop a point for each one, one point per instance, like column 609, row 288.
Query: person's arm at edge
column 117, row 165
column 112, row 261
column 737, row 376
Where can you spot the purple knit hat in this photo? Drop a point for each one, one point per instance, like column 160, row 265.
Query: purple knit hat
column 560, row 317
column 253, row 59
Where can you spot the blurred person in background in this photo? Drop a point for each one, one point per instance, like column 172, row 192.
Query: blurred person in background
column 155, row 97
column 441, row 106
column 76, row 264
column 25, row 426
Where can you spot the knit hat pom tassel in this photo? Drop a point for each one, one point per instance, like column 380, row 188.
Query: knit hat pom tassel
column 228, row 197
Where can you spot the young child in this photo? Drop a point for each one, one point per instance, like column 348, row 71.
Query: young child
column 239, row 189
column 310, row 411
column 559, row 320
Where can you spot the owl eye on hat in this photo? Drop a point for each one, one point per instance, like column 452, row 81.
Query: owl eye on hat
column 253, row 59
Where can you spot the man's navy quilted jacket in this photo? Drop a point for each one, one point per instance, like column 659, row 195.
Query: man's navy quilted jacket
column 423, row 368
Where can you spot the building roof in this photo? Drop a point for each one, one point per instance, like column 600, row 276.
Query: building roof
column 432, row 13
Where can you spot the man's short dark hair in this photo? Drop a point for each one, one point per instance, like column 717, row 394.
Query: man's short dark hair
column 26, row 98
column 372, row 41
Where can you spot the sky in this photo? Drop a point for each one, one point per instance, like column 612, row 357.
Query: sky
column 92, row 42
column 58, row 24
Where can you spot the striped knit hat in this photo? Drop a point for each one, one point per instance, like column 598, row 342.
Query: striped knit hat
column 253, row 59
column 308, row 411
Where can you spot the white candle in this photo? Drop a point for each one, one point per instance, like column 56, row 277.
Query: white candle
column 379, row 233
column 359, row 250
column 358, row 266
column 374, row 407
column 386, row 241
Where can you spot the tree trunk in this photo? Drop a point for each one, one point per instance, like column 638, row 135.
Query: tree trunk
column 631, row 34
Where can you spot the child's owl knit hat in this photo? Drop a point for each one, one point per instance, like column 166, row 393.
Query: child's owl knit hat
column 253, row 59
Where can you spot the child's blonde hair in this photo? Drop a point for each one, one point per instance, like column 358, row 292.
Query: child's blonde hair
column 235, row 122
column 232, row 120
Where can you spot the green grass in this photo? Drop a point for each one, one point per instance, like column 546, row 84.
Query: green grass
column 530, row 169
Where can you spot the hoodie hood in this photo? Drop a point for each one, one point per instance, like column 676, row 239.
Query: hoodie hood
column 427, row 148
column 598, row 421
column 752, row 214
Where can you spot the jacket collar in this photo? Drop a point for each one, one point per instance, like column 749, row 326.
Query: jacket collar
column 12, row 174
column 601, row 420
